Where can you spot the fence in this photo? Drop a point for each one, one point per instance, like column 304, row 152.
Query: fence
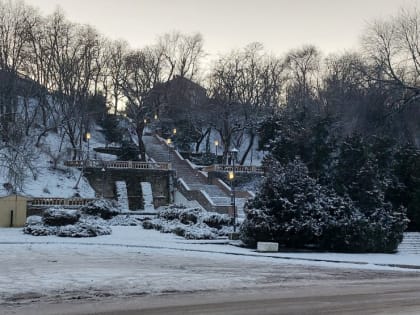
column 67, row 202
column 238, row 168
column 118, row 164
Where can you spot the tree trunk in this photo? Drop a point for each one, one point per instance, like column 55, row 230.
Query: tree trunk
column 198, row 143
column 142, row 148
column 248, row 149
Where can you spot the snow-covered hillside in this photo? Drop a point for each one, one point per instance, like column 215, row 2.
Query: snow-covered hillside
column 48, row 177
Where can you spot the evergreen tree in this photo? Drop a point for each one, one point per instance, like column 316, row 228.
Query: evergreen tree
column 407, row 191
column 295, row 210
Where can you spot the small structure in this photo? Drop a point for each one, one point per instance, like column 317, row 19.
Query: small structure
column 267, row 247
column 13, row 211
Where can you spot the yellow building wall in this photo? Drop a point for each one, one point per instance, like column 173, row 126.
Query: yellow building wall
column 18, row 205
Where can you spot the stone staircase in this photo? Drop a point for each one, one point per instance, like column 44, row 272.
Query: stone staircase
column 195, row 182
column 410, row 243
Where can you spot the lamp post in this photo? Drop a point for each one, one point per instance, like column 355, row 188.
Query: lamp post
column 233, row 156
column 216, row 144
column 88, row 140
column 168, row 142
column 231, row 177
column 103, row 170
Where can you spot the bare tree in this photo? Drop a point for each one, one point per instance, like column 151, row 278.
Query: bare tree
column 142, row 71
column 393, row 48
column 182, row 54
column 16, row 21
column 73, row 52
column 259, row 89
column 303, row 67
column 244, row 86
column 117, row 51
column 17, row 162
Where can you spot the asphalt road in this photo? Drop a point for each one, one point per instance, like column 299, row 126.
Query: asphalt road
column 391, row 296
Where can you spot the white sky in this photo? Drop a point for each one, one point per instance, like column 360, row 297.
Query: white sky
column 331, row 25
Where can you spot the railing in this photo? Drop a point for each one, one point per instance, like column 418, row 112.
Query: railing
column 202, row 198
column 118, row 164
column 69, row 202
column 238, row 168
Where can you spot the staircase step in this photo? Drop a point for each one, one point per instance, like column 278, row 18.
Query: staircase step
column 159, row 152
column 410, row 243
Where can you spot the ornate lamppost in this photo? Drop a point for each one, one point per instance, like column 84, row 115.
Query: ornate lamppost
column 216, row 144
column 88, row 140
column 168, row 142
column 103, row 170
column 231, row 177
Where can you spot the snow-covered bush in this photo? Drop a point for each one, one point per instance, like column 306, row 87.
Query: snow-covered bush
column 184, row 215
column 83, row 229
column 106, row 209
column 200, row 232
column 148, row 225
column 125, row 220
column 56, row 216
column 52, row 224
column 171, row 212
column 40, row 230
column 217, row 220
column 191, row 223
column 35, row 226
column 73, row 223
column 33, row 220
column 293, row 209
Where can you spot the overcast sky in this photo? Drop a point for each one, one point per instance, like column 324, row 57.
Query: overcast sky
column 331, row 25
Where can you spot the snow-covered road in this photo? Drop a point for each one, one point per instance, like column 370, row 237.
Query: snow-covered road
column 133, row 262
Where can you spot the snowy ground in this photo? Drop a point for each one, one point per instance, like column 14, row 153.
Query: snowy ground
column 50, row 182
column 133, row 261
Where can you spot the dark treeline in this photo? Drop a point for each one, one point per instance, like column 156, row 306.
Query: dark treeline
column 370, row 91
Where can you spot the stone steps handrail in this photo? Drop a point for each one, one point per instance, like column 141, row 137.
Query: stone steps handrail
column 202, row 198
column 118, row 164
column 59, row 201
column 238, row 168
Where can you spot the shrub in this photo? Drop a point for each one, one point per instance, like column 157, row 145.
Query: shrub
column 217, row 220
column 184, row 215
column 83, row 230
column 60, row 216
column 294, row 210
column 106, row 209
column 191, row 223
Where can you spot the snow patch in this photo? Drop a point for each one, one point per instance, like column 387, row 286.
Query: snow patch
column 122, row 197
column 147, row 192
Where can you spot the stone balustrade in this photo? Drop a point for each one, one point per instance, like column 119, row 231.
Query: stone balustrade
column 119, row 165
column 67, row 202
column 238, row 168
